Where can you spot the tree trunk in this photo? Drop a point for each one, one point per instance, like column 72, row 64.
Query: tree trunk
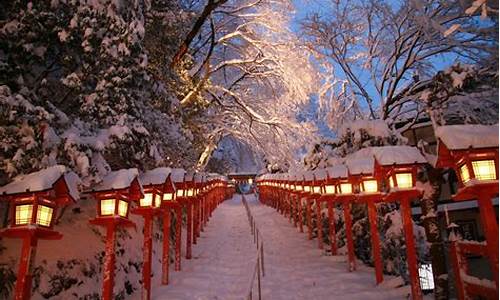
column 431, row 224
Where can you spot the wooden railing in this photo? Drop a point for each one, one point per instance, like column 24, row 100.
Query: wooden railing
column 258, row 271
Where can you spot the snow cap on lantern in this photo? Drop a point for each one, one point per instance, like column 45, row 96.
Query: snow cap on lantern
column 320, row 176
column 337, row 180
column 308, row 181
column 177, row 177
column 35, row 198
column 154, row 183
column 399, row 165
column 116, row 193
column 361, row 168
column 472, row 151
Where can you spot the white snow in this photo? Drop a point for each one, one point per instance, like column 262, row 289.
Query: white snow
column 224, row 258
column 117, row 180
column 337, row 171
column 178, row 175
column 155, row 176
column 389, row 155
column 458, row 137
column 320, row 174
column 42, row 180
column 372, row 127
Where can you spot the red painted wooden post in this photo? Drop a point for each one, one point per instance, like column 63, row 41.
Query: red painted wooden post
column 331, row 223
column 309, row 218
column 147, row 255
column 458, row 265
column 109, row 262
column 178, row 238
column 189, row 229
column 26, row 263
column 490, row 228
column 375, row 240
column 195, row 220
column 348, row 230
column 301, row 222
column 411, row 254
column 166, row 247
column 319, row 224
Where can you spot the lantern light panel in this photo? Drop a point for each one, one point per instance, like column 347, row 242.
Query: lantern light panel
column 44, row 215
column 484, row 169
column 24, row 213
column 147, row 200
column 345, row 188
column 370, row 186
column 329, row 189
column 107, row 207
column 122, row 208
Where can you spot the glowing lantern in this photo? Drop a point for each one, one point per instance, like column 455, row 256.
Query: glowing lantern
column 34, row 201
column 399, row 164
column 472, row 151
column 177, row 178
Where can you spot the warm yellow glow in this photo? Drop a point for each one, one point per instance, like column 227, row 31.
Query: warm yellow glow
column 370, row 186
column 24, row 213
column 298, row 187
column 157, row 201
column 44, row 215
column 317, row 190
column 107, row 207
column 190, row 193
column 404, row 180
column 345, row 188
column 464, row 173
column 250, row 181
column 122, row 208
column 168, row 197
column 484, row 169
column 292, row 187
column 391, row 182
column 147, row 200
column 180, row 193
column 329, row 189
column 307, row 188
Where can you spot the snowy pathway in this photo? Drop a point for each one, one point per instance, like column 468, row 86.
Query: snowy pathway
column 222, row 259
column 295, row 268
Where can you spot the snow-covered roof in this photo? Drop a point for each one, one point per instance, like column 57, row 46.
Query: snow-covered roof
column 308, row 176
column 43, row 180
column 155, row 176
column 199, row 177
column 389, row 155
column 373, row 127
column 337, row 171
column 320, row 174
column 360, row 162
column 178, row 175
column 116, row 180
column 189, row 176
column 458, row 137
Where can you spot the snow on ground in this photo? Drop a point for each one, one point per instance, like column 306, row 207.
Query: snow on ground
column 221, row 261
column 295, row 269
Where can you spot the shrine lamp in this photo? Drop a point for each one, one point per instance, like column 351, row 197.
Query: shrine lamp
column 116, row 193
column 337, row 182
column 361, row 168
column 398, row 165
column 154, row 184
column 320, row 176
column 308, row 182
column 472, row 151
column 36, row 197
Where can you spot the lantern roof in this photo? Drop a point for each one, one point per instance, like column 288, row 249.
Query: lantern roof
column 461, row 137
column 117, row 180
column 320, row 174
column 361, row 162
column 308, row 175
column 177, row 175
column 337, row 171
column 44, row 180
column 189, row 176
column 399, row 155
column 155, row 177
column 199, row 177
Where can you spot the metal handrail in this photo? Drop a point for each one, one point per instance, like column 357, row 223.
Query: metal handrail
column 259, row 265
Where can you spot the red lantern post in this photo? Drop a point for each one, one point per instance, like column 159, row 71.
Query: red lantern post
column 34, row 201
column 319, row 176
column 153, row 182
column 168, row 202
column 399, row 164
column 114, row 196
column 328, row 195
column 361, row 167
column 178, row 180
column 472, row 151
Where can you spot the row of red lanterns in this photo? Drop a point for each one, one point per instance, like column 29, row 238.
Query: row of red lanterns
column 35, row 199
column 380, row 174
